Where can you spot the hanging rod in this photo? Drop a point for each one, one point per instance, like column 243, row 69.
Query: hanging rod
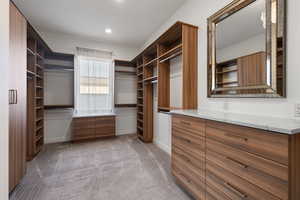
column 170, row 57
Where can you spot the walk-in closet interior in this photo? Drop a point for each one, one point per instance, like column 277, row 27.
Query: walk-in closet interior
column 149, row 100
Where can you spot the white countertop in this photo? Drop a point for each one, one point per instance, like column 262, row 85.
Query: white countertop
column 281, row 125
column 93, row 114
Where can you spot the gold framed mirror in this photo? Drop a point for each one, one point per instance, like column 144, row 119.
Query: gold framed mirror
column 246, row 50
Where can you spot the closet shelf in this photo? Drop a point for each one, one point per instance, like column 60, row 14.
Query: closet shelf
column 126, row 72
column 140, row 74
column 140, row 113
column 39, row 128
column 141, row 121
column 39, row 56
column 31, row 73
column 227, row 71
column 140, row 66
column 140, row 128
column 227, row 83
column 30, row 52
column 39, row 119
column 50, row 107
column 125, row 105
column 153, row 78
column 150, row 63
column 140, row 105
column 171, row 52
column 39, row 66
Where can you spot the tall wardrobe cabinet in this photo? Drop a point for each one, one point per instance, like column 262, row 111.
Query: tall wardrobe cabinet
column 17, row 97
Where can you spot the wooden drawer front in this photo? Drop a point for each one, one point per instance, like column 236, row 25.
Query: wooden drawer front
column 248, row 167
column 189, row 124
column 233, row 186
column 198, row 191
column 198, row 163
column 83, row 123
column 214, row 194
column 83, row 133
column 106, row 131
column 195, row 145
column 189, row 165
column 104, row 121
column 272, row 146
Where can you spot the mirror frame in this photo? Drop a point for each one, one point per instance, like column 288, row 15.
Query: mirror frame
column 271, row 51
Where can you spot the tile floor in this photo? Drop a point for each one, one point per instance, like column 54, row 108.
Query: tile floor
column 114, row 169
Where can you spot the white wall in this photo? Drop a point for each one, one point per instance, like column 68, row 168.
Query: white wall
column 4, row 53
column 58, row 122
column 196, row 12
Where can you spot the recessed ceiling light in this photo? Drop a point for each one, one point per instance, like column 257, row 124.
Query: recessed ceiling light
column 108, row 31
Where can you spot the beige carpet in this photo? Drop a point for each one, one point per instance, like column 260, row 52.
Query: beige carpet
column 114, row 169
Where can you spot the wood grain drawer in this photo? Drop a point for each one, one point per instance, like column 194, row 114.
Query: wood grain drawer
column 233, row 186
column 272, row 146
column 214, row 194
column 190, row 165
column 83, row 123
column 198, row 191
column 104, row 121
column 194, row 145
column 84, row 132
column 189, row 124
column 189, row 159
column 258, row 171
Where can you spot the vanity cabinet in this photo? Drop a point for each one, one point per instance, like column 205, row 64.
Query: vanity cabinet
column 214, row 160
column 85, row 128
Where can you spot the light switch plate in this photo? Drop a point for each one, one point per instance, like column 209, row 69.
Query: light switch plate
column 297, row 110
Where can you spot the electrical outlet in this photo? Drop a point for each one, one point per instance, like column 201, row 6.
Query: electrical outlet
column 297, row 110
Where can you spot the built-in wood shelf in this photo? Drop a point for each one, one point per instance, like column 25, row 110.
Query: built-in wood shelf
column 227, row 71
column 50, row 107
column 125, row 105
column 227, row 83
column 126, row 72
column 151, row 63
column 153, row 78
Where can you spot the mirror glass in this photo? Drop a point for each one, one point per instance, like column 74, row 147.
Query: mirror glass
column 246, row 49
column 242, row 36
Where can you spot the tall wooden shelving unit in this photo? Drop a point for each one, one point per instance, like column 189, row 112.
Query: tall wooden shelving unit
column 153, row 67
column 35, row 93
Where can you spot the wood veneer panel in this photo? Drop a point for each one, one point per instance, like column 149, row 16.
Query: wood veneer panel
column 148, row 113
column 190, row 67
column 294, row 167
column 17, row 111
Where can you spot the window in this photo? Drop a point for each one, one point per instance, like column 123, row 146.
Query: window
column 94, row 77
column 94, row 80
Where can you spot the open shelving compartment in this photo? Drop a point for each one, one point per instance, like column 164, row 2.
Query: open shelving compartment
column 153, row 72
column 125, row 73
column 59, row 69
column 35, row 93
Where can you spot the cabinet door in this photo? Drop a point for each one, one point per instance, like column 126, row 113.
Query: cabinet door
column 251, row 70
column 17, row 108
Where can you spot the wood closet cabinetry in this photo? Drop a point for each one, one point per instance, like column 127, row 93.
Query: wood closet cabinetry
column 154, row 75
column 17, row 97
column 87, row 128
column 220, row 161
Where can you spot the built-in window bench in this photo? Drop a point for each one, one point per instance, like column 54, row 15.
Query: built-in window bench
column 93, row 125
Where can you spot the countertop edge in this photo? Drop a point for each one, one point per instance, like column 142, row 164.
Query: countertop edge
column 245, row 124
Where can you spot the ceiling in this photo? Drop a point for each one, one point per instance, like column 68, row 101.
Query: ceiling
column 242, row 25
column 132, row 21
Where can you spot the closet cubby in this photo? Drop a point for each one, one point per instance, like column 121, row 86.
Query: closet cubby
column 35, row 92
column 125, row 75
column 153, row 71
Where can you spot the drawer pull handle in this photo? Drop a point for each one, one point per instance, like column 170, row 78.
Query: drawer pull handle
column 236, row 137
column 237, row 162
column 185, row 123
column 236, row 191
column 184, row 157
